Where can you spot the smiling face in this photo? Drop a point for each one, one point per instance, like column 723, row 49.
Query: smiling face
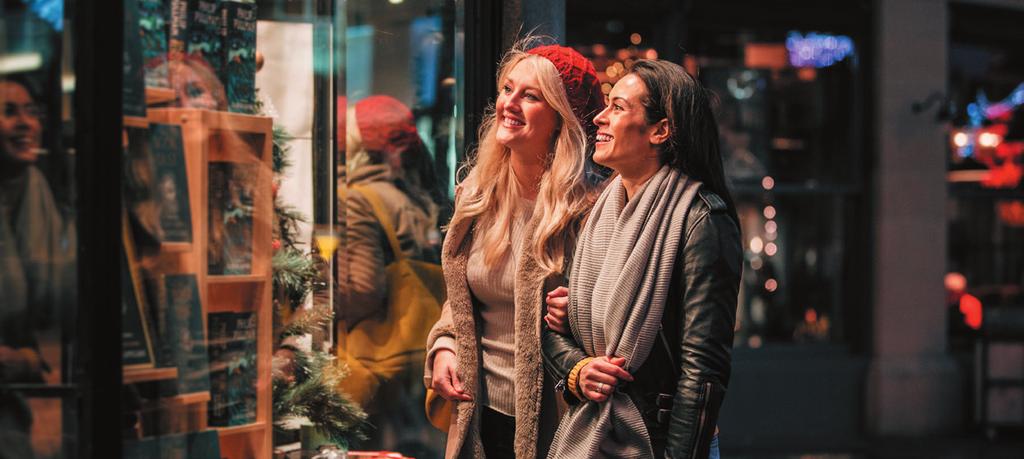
column 20, row 126
column 526, row 122
column 625, row 141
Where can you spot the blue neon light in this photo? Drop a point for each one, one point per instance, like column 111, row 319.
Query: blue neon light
column 817, row 50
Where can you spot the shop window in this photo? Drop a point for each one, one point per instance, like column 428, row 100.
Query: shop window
column 985, row 211
column 269, row 147
column 790, row 106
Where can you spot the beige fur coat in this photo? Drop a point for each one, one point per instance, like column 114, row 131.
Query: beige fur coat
column 535, row 401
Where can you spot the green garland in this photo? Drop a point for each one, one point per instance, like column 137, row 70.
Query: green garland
column 309, row 396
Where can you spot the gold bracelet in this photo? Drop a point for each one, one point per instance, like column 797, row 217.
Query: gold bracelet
column 574, row 377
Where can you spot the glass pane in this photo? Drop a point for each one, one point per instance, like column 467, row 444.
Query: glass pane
column 788, row 111
column 986, row 166
column 201, row 228
column 398, row 132
column 37, row 232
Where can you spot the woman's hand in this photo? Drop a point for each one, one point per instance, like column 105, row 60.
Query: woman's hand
column 557, row 317
column 599, row 378
column 446, row 378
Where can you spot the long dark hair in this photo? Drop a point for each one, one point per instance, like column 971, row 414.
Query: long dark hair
column 692, row 147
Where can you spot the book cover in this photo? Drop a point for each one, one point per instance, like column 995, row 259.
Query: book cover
column 184, row 335
column 240, row 57
column 153, row 29
column 232, row 348
column 204, row 445
column 134, row 76
column 204, row 26
column 231, row 191
column 136, row 347
column 171, row 176
column 177, row 31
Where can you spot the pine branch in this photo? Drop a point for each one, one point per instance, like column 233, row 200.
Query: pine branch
column 294, row 273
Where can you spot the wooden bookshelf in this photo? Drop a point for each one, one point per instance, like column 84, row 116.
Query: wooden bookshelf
column 140, row 375
column 214, row 136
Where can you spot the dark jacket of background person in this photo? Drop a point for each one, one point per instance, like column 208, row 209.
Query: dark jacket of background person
column 697, row 336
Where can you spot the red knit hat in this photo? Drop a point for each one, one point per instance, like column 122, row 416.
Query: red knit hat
column 385, row 124
column 580, row 80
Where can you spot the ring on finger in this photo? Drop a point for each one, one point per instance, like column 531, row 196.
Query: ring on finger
column 600, row 388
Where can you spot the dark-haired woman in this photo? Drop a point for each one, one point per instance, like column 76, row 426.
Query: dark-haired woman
column 649, row 313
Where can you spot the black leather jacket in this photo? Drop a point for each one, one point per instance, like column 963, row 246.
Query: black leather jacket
column 681, row 385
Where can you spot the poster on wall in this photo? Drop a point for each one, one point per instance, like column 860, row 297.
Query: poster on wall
column 172, row 196
column 231, row 192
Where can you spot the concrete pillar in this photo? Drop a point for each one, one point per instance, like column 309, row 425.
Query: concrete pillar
column 914, row 386
column 542, row 17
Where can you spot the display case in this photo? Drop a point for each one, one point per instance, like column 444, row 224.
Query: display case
column 208, row 278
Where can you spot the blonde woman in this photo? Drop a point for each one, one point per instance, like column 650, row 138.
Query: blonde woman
column 516, row 216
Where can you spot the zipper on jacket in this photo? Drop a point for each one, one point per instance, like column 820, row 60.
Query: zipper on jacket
column 702, row 413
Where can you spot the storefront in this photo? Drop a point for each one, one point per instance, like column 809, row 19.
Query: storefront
column 872, row 148
column 252, row 134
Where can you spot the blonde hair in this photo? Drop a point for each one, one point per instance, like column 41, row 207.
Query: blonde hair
column 489, row 190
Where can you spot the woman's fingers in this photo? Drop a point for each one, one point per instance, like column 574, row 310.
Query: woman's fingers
column 559, row 307
column 460, row 393
column 556, row 325
column 610, row 369
column 446, row 377
column 560, row 291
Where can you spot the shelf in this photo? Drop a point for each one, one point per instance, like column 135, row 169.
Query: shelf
column 242, row 429
column 237, row 279
column 188, row 399
column 134, row 121
column 155, row 96
column 138, row 375
column 213, row 119
column 175, row 247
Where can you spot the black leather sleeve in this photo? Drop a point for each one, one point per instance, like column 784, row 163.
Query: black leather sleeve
column 561, row 353
column 711, row 262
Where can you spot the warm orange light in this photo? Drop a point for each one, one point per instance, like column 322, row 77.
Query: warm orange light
column 768, row 182
column 651, row 54
column 988, row 139
column 810, row 316
column 770, row 249
column 970, row 307
column 771, row 285
column 955, row 282
column 756, row 244
column 635, row 38
column 770, row 226
column 769, row 212
column 1011, row 213
column 960, row 139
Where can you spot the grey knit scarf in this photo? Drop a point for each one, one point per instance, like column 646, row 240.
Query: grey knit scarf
column 617, row 289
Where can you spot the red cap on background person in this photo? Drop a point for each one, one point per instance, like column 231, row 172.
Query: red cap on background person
column 580, row 80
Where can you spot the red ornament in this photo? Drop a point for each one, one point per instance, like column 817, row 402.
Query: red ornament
column 277, row 244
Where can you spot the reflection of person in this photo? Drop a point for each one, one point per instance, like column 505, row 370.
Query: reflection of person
column 652, row 293
column 385, row 155
column 34, row 254
column 386, row 158
column 515, row 220
column 196, row 85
